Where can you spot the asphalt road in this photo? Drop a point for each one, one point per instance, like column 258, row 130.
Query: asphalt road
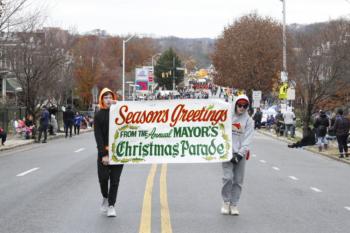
column 53, row 187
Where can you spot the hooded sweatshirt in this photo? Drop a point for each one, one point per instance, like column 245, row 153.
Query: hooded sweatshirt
column 101, row 125
column 242, row 129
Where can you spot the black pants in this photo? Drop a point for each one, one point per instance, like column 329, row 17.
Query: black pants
column 257, row 124
column 41, row 130
column 342, row 143
column 111, row 173
column 68, row 126
column 76, row 129
column 3, row 136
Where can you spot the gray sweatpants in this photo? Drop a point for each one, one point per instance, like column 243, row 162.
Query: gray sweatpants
column 232, row 181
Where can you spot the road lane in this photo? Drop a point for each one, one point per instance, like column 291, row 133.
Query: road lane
column 63, row 195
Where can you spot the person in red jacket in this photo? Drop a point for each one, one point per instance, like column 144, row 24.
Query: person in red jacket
column 3, row 136
column 105, row 171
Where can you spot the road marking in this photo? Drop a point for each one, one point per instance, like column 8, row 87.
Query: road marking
column 293, row 178
column 254, row 155
column 164, row 207
column 79, row 150
column 276, row 168
column 262, row 161
column 146, row 216
column 347, row 208
column 316, row 190
column 29, row 171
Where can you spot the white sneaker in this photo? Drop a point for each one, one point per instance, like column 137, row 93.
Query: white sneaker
column 104, row 205
column 234, row 210
column 111, row 212
column 225, row 209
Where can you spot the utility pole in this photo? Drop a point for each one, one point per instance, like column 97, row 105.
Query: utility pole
column 284, row 38
column 174, row 70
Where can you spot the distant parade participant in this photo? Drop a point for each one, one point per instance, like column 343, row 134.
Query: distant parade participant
column 105, row 171
column 242, row 133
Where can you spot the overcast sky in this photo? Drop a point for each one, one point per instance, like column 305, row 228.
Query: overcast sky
column 182, row 18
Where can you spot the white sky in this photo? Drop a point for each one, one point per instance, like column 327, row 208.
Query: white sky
column 182, row 18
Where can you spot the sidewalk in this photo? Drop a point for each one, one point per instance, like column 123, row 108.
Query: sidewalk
column 332, row 151
column 15, row 142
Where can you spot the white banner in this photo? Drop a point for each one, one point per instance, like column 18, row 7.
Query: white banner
column 176, row 131
column 141, row 74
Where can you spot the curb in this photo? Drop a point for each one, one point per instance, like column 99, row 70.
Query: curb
column 305, row 148
column 31, row 141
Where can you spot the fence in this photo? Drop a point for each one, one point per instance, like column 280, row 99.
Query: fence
column 8, row 115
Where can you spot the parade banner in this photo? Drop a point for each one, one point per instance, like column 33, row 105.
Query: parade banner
column 172, row 131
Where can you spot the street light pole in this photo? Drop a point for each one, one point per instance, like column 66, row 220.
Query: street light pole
column 124, row 42
column 284, row 37
column 157, row 54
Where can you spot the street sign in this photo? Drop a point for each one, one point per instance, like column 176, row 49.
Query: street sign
column 290, row 94
column 283, row 91
column 257, row 95
column 284, row 76
column 256, row 103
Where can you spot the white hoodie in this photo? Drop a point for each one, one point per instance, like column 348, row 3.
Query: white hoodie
column 242, row 129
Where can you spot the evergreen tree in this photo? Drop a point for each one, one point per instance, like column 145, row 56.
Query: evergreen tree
column 165, row 68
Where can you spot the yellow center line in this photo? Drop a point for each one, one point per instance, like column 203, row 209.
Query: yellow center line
column 164, row 207
column 146, row 216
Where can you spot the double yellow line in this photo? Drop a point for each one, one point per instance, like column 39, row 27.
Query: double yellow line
column 146, row 216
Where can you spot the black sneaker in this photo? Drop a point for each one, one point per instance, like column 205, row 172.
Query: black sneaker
column 44, row 141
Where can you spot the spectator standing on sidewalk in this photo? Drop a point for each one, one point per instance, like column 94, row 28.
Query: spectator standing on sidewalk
column 279, row 123
column 29, row 123
column 242, row 133
column 321, row 125
column 68, row 120
column 341, row 128
column 257, row 118
column 77, row 122
column 3, row 136
column 289, row 123
column 53, row 122
column 105, row 171
column 43, row 124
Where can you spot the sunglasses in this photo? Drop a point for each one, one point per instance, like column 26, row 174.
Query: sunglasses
column 245, row 106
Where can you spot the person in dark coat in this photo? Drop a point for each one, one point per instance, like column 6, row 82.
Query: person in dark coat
column 321, row 125
column 308, row 139
column 279, row 123
column 105, row 171
column 257, row 118
column 68, row 120
column 43, row 124
column 341, row 129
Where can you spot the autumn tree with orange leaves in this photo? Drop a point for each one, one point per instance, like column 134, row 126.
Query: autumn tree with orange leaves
column 248, row 55
column 98, row 61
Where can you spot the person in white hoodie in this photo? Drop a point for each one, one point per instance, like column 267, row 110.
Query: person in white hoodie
column 233, row 170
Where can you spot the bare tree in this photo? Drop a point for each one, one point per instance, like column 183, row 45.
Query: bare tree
column 13, row 14
column 36, row 57
column 322, row 65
